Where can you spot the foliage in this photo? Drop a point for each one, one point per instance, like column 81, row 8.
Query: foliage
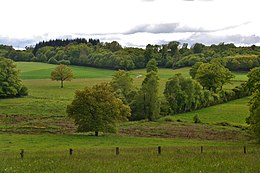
column 146, row 104
column 198, row 48
column 122, row 84
column 151, row 66
column 183, row 94
column 97, row 109
column 10, row 83
column 242, row 62
column 112, row 55
column 194, row 69
column 253, row 78
column 62, row 73
column 196, row 119
column 52, row 60
column 190, row 60
column 254, row 118
column 213, row 76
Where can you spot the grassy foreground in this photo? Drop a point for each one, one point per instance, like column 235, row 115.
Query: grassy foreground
column 50, row 153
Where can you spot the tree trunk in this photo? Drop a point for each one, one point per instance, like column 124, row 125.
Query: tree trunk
column 96, row 133
column 61, row 83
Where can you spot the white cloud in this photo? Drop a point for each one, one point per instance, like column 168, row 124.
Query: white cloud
column 47, row 19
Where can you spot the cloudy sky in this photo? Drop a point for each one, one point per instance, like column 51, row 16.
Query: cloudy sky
column 131, row 22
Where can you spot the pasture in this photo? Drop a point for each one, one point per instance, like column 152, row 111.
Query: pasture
column 46, row 98
column 234, row 113
column 38, row 124
column 50, row 153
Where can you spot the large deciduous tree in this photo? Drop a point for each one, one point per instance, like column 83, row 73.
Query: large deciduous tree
column 213, row 76
column 10, row 83
column 97, row 109
column 62, row 73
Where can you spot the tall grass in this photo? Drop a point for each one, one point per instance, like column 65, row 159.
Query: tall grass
column 172, row 159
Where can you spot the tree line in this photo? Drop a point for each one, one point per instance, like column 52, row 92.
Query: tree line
column 113, row 56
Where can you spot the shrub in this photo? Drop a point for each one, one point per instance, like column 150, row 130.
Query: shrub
column 196, row 119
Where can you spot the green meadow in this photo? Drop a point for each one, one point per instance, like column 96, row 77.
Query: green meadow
column 38, row 124
column 234, row 112
column 47, row 99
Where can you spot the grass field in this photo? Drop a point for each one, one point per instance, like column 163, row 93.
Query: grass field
column 38, row 124
column 234, row 112
column 136, row 160
column 35, row 70
column 50, row 153
column 47, row 99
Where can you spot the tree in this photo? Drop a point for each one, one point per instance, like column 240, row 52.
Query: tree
column 194, row 69
column 10, row 83
column 213, row 76
column 151, row 66
column 253, row 78
column 146, row 104
column 62, row 73
column 183, row 94
column 122, row 84
column 198, row 48
column 97, row 109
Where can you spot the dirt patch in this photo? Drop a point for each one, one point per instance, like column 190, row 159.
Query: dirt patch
column 185, row 130
column 64, row 125
column 24, row 124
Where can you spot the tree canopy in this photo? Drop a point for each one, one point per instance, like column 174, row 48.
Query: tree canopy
column 62, row 73
column 253, row 78
column 10, row 83
column 122, row 84
column 213, row 76
column 97, row 109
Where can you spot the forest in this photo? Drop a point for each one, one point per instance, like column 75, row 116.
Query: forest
column 111, row 55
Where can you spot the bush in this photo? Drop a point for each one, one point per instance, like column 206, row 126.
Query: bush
column 65, row 62
column 196, row 119
column 52, row 60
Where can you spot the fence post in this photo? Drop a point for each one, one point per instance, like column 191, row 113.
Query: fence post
column 201, row 149
column 159, row 150
column 22, row 153
column 244, row 149
column 71, row 151
column 117, row 151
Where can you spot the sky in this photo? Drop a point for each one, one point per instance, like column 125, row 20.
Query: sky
column 132, row 23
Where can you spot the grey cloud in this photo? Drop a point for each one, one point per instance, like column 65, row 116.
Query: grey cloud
column 22, row 43
column 163, row 28
column 174, row 28
column 209, row 39
column 18, row 43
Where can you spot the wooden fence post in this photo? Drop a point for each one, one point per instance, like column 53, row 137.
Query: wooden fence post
column 201, row 149
column 117, row 151
column 71, row 151
column 22, row 153
column 244, row 149
column 159, row 150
